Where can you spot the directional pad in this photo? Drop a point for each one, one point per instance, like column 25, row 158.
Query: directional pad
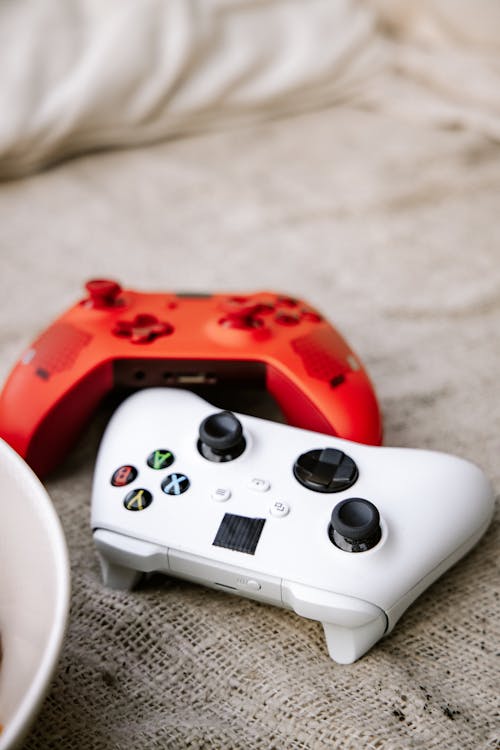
column 142, row 329
column 325, row 470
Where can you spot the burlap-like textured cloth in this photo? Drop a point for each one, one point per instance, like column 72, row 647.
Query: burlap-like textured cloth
column 392, row 231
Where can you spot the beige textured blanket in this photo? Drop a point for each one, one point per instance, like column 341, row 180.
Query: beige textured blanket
column 392, row 230
column 390, row 226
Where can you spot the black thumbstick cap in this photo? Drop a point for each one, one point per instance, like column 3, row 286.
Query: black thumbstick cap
column 221, row 437
column 355, row 525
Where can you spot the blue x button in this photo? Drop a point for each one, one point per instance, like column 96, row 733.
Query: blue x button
column 175, row 484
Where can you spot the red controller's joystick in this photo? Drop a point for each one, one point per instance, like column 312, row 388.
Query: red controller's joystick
column 120, row 338
column 103, row 293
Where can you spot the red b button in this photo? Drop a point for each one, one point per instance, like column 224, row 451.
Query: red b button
column 124, row 475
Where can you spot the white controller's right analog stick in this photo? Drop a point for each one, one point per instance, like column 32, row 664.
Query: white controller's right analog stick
column 355, row 525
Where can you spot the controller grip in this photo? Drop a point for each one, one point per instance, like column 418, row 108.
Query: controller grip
column 42, row 419
column 352, row 626
column 314, row 406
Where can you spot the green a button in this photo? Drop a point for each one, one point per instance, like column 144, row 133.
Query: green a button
column 160, row 459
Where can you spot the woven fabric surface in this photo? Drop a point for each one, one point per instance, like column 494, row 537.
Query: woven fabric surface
column 390, row 229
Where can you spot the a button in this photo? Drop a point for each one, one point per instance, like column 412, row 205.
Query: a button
column 123, row 476
column 327, row 470
column 259, row 485
column 160, row 459
column 279, row 509
column 221, row 494
column 138, row 499
column 175, row 484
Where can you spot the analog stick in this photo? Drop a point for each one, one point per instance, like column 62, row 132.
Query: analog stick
column 221, row 437
column 355, row 525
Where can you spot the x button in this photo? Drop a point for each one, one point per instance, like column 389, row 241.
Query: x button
column 175, row 484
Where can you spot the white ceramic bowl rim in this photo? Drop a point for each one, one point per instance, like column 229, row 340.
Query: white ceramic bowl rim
column 16, row 726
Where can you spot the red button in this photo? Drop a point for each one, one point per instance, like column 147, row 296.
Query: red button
column 123, row 476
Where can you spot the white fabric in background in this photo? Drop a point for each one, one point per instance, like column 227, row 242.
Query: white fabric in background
column 87, row 74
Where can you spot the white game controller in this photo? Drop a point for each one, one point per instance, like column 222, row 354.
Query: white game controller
column 339, row 532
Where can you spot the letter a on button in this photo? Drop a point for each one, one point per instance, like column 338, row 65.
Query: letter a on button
column 160, row 459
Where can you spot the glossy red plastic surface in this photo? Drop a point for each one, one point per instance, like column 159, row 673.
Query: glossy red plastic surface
column 317, row 380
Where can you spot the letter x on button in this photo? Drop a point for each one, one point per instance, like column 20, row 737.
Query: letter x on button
column 175, row 484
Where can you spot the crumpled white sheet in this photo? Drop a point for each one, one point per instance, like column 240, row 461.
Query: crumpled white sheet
column 90, row 74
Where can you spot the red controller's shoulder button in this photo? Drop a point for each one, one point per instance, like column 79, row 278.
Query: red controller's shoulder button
column 103, row 292
column 143, row 329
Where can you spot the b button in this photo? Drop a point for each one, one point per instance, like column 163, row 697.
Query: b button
column 123, row 476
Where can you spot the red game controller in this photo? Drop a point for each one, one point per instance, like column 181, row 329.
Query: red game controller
column 116, row 337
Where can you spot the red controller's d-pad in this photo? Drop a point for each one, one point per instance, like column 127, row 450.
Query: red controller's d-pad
column 143, row 329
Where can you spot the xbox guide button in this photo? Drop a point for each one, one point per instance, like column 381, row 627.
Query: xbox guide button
column 355, row 525
column 325, row 470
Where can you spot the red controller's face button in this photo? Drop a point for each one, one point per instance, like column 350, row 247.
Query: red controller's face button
column 242, row 312
column 123, row 476
column 287, row 319
column 142, row 329
column 103, row 293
